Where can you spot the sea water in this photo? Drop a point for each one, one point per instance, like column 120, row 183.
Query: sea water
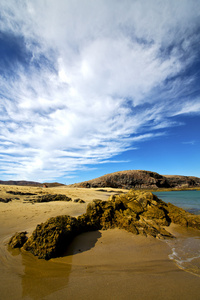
column 188, row 200
column 186, row 247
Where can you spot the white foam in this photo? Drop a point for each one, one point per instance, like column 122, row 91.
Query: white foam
column 186, row 253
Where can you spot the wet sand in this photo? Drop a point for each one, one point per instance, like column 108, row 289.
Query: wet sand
column 112, row 264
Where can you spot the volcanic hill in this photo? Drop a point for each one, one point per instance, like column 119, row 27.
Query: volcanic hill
column 140, row 179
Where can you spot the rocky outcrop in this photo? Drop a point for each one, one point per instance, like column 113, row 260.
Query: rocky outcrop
column 38, row 199
column 5, row 200
column 182, row 181
column 78, row 200
column 20, row 193
column 50, row 238
column 51, row 197
column 18, row 240
column 137, row 212
column 139, row 179
column 181, row 217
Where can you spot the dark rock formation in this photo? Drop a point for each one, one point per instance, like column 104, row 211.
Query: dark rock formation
column 78, row 200
column 50, row 238
column 139, row 179
column 49, row 197
column 18, row 239
column 137, row 212
column 183, row 218
column 182, row 181
column 6, row 200
column 20, row 193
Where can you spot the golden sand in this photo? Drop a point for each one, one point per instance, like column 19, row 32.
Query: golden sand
column 112, row 264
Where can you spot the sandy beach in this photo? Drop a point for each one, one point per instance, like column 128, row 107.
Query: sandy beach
column 112, row 264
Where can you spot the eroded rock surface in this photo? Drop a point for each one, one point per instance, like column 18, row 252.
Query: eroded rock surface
column 50, row 238
column 140, row 179
column 49, row 198
column 5, row 200
column 20, row 193
column 137, row 212
column 18, row 239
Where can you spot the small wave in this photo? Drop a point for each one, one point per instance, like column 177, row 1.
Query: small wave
column 186, row 254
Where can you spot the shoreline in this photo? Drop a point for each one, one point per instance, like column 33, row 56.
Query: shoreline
column 71, row 186
column 112, row 264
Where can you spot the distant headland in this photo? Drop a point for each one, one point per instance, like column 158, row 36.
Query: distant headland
column 30, row 183
column 140, row 179
column 131, row 179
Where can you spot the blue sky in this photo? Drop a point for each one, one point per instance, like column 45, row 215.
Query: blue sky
column 93, row 87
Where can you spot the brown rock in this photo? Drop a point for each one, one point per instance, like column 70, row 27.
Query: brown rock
column 49, row 238
column 140, row 179
column 18, row 240
column 180, row 216
column 137, row 212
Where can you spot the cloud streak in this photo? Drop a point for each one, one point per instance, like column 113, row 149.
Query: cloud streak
column 92, row 80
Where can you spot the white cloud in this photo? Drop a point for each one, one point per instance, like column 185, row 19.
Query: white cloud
column 190, row 143
column 96, row 81
column 189, row 107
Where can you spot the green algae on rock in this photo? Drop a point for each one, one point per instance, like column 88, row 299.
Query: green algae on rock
column 137, row 212
column 49, row 238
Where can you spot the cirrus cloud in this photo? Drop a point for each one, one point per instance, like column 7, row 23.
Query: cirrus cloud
column 83, row 81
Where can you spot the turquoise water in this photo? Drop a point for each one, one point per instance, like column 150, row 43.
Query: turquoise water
column 188, row 200
column 186, row 248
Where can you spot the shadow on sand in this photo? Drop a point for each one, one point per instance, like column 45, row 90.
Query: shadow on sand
column 83, row 242
column 42, row 278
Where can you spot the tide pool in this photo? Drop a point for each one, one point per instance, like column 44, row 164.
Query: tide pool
column 188, row 200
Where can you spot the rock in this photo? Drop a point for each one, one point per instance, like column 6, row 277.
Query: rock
column 6, row 200
column 18, row 240
column 50, row 238
column 157, row 214
column 50, row 197
column 78, row 200
column 180, row 216
column 140, row 179
column 137, row 212
column 20, row 193
column 81, row 201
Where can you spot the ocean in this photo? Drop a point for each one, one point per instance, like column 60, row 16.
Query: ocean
column 188, row 200
column 185, row 249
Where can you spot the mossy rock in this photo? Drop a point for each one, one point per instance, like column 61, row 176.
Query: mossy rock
column 183, row 218
column 126, row 222
column 50, row 197
column 18, row 240
column 137, row 212
column 157, row 214
column 136, row 207
column 49, row 238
